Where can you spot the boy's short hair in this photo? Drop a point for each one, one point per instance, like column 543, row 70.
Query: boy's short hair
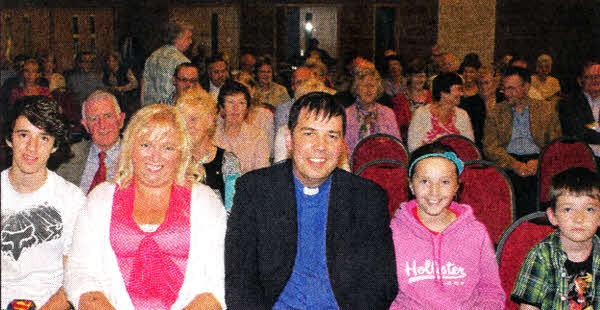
column 577, row 181
column 43, row 113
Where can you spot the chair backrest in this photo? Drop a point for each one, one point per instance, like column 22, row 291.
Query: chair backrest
column 392, row 176
column 558, row 155
column 378, row 146
column 465, row 148
column 488, row 190
column 514, row 245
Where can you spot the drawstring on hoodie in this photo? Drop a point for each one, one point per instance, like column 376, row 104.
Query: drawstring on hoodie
column 437, row 259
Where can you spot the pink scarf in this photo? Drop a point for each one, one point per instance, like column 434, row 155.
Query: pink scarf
column 152, row 264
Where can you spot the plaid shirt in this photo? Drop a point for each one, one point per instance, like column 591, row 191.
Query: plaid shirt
column 542, row 280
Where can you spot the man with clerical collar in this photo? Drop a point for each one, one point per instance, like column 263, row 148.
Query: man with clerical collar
column 96, row 161
column 304, row 234
column 579, row 113
column 516, row 130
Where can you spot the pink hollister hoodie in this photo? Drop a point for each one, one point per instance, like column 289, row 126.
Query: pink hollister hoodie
column 455, row 269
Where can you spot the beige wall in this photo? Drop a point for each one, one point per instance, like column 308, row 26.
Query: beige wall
column 468, row 27
column 324, row 21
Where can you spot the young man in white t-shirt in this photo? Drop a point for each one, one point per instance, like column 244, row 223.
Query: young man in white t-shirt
column 39, row 208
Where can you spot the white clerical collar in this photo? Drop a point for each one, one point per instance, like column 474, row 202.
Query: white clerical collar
column 310, row 191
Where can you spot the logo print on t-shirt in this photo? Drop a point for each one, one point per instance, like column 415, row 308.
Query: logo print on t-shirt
column 27, row 228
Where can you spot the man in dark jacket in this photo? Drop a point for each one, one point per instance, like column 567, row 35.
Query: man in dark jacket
column 305, row 234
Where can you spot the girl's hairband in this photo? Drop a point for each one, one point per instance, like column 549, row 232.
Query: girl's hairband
column 448, row 155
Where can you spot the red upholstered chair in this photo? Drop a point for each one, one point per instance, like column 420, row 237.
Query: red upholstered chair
column 464, row 148
column 378, row 146
column 514, row 245
column 559, row 155
column 392, row 176
column 487, row 189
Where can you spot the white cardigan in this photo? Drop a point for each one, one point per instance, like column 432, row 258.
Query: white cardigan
column 93, row 266
column 420, row 124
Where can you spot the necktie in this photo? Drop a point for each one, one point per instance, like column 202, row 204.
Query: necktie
column 100, row 175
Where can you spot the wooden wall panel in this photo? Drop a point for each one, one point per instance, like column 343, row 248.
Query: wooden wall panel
column 228, row 28
column 38, row 30
column 566, row 30
column 103, row 35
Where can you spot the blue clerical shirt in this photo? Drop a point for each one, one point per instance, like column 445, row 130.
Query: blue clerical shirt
column 309, row 287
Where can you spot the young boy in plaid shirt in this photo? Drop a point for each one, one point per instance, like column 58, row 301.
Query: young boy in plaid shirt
column 563, row 270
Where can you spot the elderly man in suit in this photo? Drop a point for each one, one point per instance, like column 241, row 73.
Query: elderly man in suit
column 515, row 132
column 579, row 113
column 304, row 234
column 96, row 161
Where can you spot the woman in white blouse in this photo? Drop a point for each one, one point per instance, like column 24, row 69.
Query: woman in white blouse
column 153, row 237
column 442, row 116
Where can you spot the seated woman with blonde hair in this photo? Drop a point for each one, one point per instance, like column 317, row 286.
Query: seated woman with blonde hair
column 222, row 168
column 151, row 238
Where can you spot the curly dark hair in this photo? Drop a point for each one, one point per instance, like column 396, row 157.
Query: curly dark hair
column 45, row 114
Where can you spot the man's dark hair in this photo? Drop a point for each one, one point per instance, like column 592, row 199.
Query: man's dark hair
column 262, row 62
column 386, row 63
column 443, row 82
column 44, row 114
column 211, row 60
column 584, row 65
column 577, row 181
column 524, row 74
column 229, row 88
column 184, row 65
column 321, row 104
column 470, row 60
column 21, row 57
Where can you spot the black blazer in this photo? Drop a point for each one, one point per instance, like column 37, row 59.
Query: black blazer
column 574, row 113
column 261, row 240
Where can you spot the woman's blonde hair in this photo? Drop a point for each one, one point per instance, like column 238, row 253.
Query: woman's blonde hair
column 156, row 120
column 311, row 85
column 360, row 73
column 202, row 103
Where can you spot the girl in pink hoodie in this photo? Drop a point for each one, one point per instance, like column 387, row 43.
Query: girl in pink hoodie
column 444, row 256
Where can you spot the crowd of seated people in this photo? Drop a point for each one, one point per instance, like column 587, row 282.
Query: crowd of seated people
column 148, row 147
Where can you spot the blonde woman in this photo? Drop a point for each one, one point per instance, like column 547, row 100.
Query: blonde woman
column 366, row 117
column 152, row 238
column 199, row 110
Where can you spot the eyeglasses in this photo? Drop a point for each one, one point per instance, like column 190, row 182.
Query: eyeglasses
column 187, row 80
column 592, row 76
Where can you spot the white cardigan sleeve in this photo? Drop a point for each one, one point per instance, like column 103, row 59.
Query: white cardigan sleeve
column 205, row 272
column 463, row 124
column 86, row 265
column 419, row 125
